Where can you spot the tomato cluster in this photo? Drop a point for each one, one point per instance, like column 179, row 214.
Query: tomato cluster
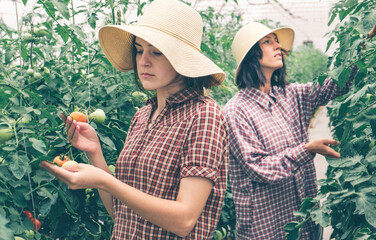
column 35, row 221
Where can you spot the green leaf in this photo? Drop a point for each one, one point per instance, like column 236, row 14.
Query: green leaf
column 344, row 162
column 360, row 93
column 78, row 30
column 343, row 78
column 333, row 15
column 6, row 232
column 92, row 20
column 47, row 203
column 307, row 204
column 291, row 226
column 344, row 13
column 293, row 231
column 63, row 197
column 354, row 173
column 370, row 114
column 24, row 2
column 110, row 89
column 347, row 130
column 372, row 62
column 49, row 8
column 366, row 205
column 106, row 140
column 24, row 52
column 372, row 123
column 38, row 145
column 19, row 165
column 62, row 8
column 320, row 217
column 63, row 32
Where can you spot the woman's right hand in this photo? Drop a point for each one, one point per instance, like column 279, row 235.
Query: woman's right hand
column 321, row 146
column 81, row 135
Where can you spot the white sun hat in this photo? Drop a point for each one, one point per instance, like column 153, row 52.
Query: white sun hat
column 251, row 33
column 171, row 26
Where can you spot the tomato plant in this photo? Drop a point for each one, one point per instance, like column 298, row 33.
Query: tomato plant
column 53, row 64
column 346, row 199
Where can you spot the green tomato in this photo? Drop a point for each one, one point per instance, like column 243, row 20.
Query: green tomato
column 98, row 116
column 88, row 190
column 112, row 168
column 26, row 119
column 371, row 144
column 5, row 135
column 30, row 72
column 219, row 235
column 224, row 232
column 140, row 95
column 37, row 75
column 42, row 31
column 27, row 37
column 45, row 70
column 69, row 163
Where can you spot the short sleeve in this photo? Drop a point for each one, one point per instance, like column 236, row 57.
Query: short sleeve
column 205, row 150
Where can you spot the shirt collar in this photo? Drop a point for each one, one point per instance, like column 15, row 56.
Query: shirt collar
column 179, row 97
column 259, row 96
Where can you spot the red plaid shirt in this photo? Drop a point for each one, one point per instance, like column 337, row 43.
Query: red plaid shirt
column 271, row 171
column 188, row 138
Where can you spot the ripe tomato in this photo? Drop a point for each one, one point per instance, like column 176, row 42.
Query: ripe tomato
column 36, row 224
column 78, row 116
column 28, row 214
column 60, row 160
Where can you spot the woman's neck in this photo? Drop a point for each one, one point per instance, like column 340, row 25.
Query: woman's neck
column 267, row 85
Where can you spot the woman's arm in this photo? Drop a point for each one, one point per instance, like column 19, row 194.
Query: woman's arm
column 248, row 150
column 178, row 216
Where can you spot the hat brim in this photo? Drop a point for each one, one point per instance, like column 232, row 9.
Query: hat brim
column 117, row 44
column 285, row 37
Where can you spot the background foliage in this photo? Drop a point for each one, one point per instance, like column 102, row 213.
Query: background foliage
column 348, row 193
column 305, row 63
column 53, row 63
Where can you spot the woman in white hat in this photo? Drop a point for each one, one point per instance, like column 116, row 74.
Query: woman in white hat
column 271, row 159
column 170, row 178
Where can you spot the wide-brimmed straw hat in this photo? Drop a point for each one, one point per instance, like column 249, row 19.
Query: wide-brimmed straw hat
column 171, row 26
column 251, row 33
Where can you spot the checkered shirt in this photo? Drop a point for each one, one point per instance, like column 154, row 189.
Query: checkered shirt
column 188, row 138
column 270, row 170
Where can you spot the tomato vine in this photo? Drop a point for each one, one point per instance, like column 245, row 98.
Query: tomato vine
column 346, row 200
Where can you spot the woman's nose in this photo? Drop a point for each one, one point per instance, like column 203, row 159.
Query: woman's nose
column 144, row 59
column 278, row 45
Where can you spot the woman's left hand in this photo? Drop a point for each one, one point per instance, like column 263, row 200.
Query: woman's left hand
column 77, row 176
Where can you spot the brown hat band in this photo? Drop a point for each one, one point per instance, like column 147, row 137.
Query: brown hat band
column 171, row 34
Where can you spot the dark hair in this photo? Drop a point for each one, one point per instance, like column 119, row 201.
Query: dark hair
column 250, row 73
column 199, row 83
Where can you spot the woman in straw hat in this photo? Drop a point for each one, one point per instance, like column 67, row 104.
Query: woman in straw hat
column 170, row 177
column 271, row 159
